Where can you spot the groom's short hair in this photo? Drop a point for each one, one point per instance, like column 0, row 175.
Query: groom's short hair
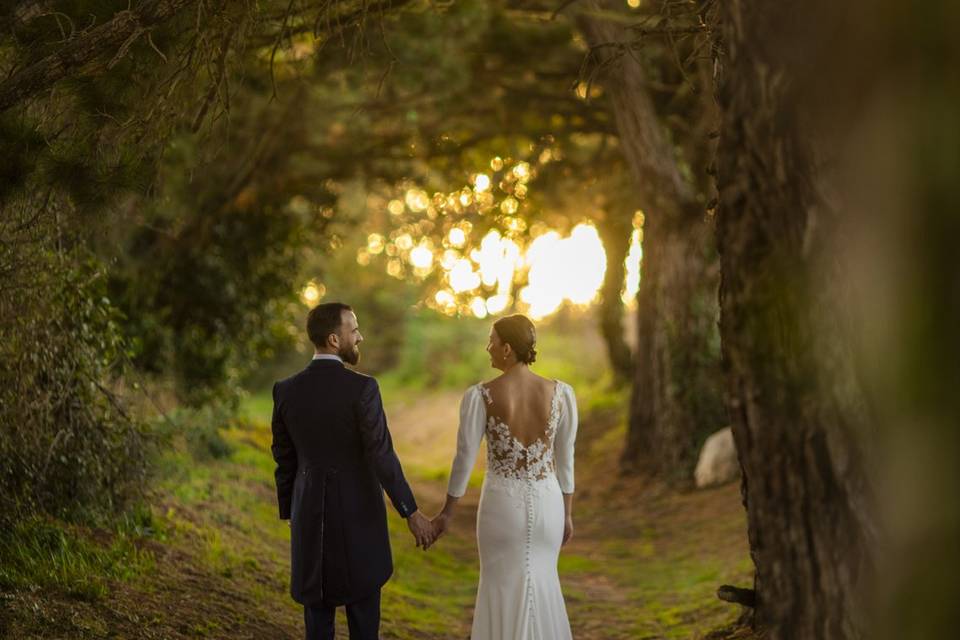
column 325, row 319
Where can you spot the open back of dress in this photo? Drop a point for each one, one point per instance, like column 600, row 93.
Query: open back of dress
column 508, row 453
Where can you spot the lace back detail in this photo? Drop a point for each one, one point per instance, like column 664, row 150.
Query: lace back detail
column 510, row 458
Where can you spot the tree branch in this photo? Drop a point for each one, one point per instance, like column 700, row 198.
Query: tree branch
column 115, row 35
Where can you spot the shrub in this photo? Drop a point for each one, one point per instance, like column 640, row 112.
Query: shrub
column 67, row 442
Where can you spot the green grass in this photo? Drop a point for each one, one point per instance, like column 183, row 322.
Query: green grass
column 227, row 507
column 215, row 506
column 77, row 560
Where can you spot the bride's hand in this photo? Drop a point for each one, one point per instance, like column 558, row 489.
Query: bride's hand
column 441, row 523
column 567, row 530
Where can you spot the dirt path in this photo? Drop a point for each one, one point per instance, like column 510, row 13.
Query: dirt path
column 644, row 561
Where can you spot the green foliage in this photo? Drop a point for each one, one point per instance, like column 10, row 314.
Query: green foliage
column 68, row 444
column 441, row 352
column 198, row 430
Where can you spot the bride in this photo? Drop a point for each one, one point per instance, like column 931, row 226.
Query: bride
column 525, row 510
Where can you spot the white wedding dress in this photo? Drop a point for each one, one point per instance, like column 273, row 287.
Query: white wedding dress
column 520, row 518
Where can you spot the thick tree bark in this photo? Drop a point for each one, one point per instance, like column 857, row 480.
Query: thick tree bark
column 615, row 229
column 796, row 404
column 112, row 38
column 674, row 376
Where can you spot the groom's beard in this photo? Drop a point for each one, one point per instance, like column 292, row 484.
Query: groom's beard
column 351, row 355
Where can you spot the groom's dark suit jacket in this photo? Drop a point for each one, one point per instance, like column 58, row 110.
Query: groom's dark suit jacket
column 333, row 454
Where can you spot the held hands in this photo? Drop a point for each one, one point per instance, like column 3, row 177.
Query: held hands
column 425, row 531
column 422, row 529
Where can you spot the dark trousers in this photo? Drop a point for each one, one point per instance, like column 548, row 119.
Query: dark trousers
column 363, row 619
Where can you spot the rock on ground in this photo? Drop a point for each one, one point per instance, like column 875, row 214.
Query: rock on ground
column 718, row 462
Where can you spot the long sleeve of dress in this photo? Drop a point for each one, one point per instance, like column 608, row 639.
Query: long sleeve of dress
column 469, row 436
column 563, row 444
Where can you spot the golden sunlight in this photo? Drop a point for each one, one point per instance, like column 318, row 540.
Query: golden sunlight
column 497, row 303
column 632, row 263
column 375, row 243
column 522, row 171
column 312, row 292
column 506, row 269
column 560, row 269
column 457, row 237
column 421, row 256
column 417, row 200
column 462, row 277
column 563, row 269
column 481, row 182
column 479, row 307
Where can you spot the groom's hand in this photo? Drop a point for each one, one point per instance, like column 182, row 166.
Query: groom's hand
column 421, row 528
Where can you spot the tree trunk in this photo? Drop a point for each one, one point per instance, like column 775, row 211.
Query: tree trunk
column 675, row 398
column 616, row 229
column 796, row 404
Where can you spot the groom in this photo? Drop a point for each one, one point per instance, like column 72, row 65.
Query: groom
column 333, row 454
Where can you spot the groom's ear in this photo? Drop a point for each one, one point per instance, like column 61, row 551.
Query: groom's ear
column 333, row 340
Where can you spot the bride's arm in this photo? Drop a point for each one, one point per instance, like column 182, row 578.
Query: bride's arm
column 469, row 437
column 563, row 444
column 563, row 448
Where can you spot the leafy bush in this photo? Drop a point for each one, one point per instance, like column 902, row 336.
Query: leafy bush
column 68, row 444
column 198, row 430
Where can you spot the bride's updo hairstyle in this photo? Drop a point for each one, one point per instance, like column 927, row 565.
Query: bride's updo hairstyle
column 520, row 334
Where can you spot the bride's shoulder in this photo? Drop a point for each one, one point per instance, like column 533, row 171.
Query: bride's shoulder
column 550, row 382
column 563, row 387
column 493, row 381
column 477, row 389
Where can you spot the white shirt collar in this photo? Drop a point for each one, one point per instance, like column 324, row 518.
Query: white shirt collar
column 327, row 356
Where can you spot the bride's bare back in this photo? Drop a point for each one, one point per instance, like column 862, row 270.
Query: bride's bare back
column 522, row 403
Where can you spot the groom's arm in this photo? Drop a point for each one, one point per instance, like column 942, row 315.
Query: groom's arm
column 378, row 447
column 285, row 456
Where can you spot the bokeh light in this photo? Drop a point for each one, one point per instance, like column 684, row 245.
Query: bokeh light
column 312, row 292
column 462, row 277
column 522, row 171
column 421, row 257
column 457, row 237
column 632, row 263
column 417, row 200
column 481, row 182
column 518, row 264
column 564, row 269
column 375, row 243
column 479, row 307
